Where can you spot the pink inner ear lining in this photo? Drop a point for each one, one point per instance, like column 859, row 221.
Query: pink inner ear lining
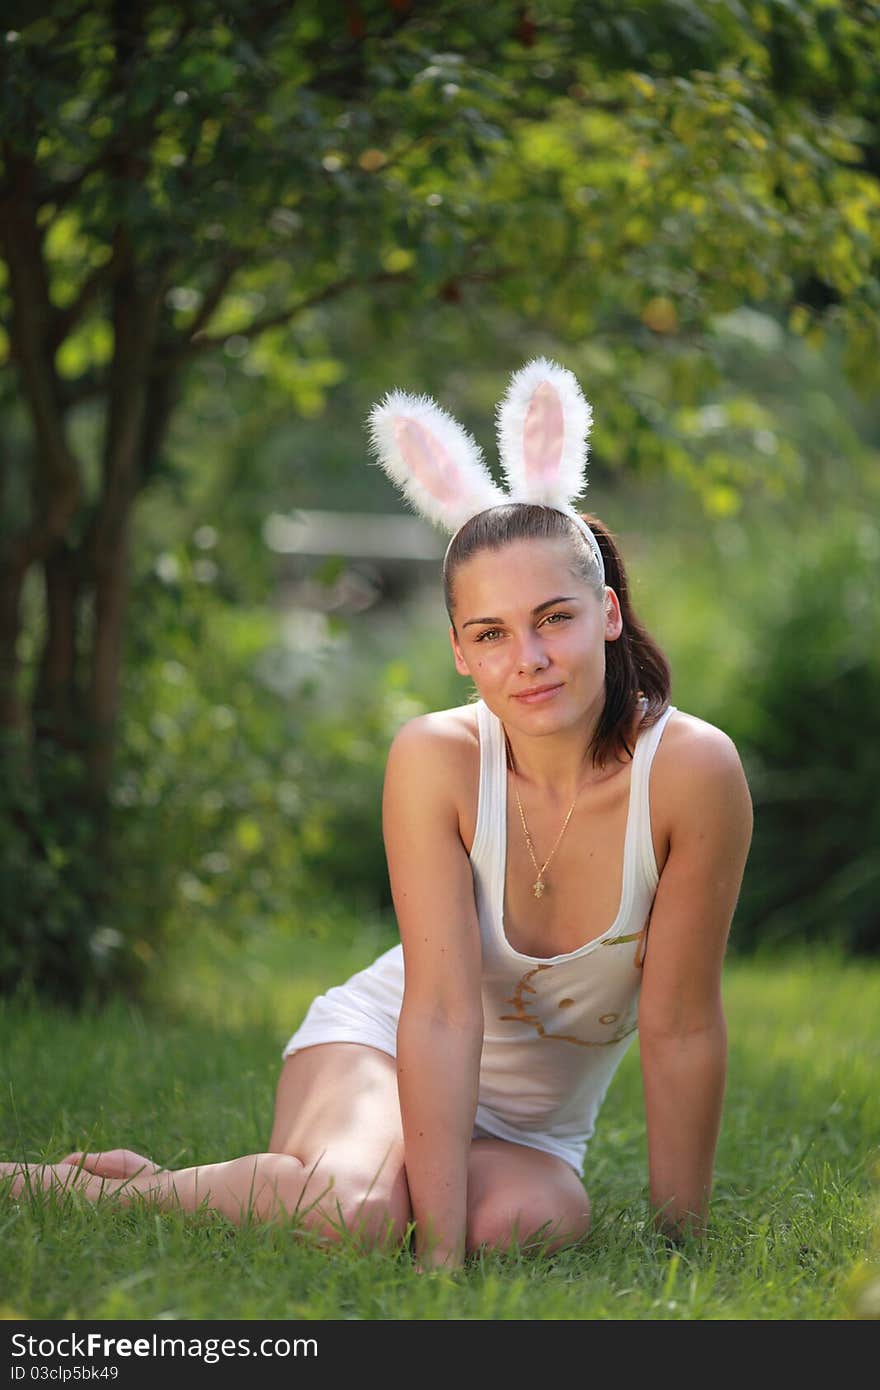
column 428, row 461
column 543, row 433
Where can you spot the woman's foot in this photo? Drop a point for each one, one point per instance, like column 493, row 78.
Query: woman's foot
column 120, row 1172
column 113, row 1163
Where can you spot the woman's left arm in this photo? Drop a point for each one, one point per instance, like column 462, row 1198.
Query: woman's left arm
column 682, row 1032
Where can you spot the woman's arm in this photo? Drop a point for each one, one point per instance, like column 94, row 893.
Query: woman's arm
column 440, row 1033
column 682, row 1031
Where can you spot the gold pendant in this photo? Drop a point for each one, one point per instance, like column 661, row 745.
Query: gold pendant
column 537, row 888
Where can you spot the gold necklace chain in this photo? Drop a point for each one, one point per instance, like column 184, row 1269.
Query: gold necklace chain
column 539, row 886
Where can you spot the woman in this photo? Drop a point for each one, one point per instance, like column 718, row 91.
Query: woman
column 565, row 856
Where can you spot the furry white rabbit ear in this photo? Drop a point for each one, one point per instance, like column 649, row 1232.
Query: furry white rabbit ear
column 432, row 458
column 543, row 425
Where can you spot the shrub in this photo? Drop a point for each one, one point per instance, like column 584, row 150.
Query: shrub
column 812, row 744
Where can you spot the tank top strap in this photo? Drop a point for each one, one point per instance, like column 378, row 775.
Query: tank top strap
column 492, row 796
column 639, row 852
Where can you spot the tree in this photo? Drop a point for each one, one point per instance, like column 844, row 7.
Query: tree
column 179, row 180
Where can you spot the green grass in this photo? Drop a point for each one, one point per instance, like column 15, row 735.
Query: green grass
column 190, row 1076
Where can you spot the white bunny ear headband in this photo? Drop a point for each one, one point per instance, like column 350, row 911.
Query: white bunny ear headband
column 543, row 423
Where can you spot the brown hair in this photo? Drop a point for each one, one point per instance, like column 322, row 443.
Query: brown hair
column 635, row 666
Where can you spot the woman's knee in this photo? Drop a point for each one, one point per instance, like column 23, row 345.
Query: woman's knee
column 340, row 1207
column 531, row 1218
column 275, row 1189
column 329, row 1204
column 377, row 1221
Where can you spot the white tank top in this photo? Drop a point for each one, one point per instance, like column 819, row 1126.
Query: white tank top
column 556, row 1027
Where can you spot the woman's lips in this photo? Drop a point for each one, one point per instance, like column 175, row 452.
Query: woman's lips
column 538, row 696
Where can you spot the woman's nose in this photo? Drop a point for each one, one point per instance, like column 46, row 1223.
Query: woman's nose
column 532, row 655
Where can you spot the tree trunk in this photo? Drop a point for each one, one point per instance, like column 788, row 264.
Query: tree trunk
column 56, row 712
column 13, row 716
column 137, row 312
column 56, row 484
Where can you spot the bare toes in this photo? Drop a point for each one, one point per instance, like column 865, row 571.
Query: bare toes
column 113, row 1163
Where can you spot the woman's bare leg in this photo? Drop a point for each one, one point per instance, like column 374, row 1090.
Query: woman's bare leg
column 336, row 1159
column 337, row 1163
column 262, row 1186
column 518, row 1196
column 337, row 1110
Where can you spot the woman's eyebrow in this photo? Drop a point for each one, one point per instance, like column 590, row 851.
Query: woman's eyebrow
column 548, row 603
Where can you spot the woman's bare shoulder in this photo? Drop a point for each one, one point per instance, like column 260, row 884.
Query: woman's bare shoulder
column 692, row 744
column 445, row 733
column 697, row 763
column 433, row 771
column 435, row 759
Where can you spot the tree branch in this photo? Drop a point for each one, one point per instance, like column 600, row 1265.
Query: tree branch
column 207, row 342
column 67, row 319
column 213, row 296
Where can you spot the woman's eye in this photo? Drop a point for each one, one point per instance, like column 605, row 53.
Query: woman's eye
column 492, row 634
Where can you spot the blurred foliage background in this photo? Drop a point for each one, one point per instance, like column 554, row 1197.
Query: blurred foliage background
column 226, row 229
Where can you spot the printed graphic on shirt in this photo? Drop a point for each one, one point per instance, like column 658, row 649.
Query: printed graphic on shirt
column 640, row 937
column 525, row 1011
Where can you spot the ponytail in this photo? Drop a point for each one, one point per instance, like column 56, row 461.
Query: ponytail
column 634, row 664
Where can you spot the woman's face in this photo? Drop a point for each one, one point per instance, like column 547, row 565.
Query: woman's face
column 531, row 635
